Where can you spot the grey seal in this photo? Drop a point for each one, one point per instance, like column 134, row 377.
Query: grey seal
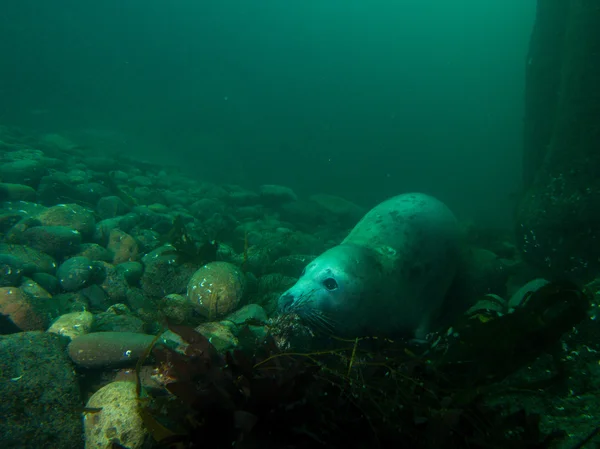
column 388, row 277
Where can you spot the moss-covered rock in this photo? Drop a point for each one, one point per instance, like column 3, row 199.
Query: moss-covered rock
column 40, row 393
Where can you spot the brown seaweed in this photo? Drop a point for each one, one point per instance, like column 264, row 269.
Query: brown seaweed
column 369, row 394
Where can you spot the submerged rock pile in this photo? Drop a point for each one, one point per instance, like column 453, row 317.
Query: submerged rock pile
column 101, row 250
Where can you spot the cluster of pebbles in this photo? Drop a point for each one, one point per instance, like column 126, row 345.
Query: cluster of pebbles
column 87, row 269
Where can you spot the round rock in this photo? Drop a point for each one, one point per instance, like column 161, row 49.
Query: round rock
column 216, row 289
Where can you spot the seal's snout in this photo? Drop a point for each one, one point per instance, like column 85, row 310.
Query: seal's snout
column 285, row 301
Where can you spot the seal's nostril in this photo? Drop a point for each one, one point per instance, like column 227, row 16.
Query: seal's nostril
column 285, row 301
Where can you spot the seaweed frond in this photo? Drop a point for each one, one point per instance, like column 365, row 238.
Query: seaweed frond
column 366, row 392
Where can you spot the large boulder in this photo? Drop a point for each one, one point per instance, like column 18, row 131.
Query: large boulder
column 558, row 219
column 40, row 404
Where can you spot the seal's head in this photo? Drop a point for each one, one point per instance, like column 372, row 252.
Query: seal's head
column 331, row 289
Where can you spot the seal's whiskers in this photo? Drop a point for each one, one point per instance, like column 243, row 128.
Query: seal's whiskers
column 302, row 300
column 320, row 321
column 314, row 317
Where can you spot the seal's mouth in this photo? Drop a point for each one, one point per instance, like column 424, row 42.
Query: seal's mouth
column 304, row 308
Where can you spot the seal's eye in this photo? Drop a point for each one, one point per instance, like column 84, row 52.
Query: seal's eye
column 330, row 284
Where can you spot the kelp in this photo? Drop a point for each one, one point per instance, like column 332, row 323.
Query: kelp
column 484, row 351
column 366, row 393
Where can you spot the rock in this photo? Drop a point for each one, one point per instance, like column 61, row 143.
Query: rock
column 275, row 282
column 243, row 198
column 292, row 265
column 90, row 192
column 141, row 303
column 72, row 302
column 72, row 325
column 177, row 308
column 57, row 141
column 112, row 322
column 15, row 234
column 94, row 297
column 119, row 176
column 219, row 224
column 38, row 294
column 16, row 192
column 123, row 246
column 176, row 198
column 57, row 241
column 77, row 176
column 114, row 283
column 269, row 301
column 101, row 163
column 125, row 223
column 28, row 172
column 93, row 251
column 111, row 207
column 76, row 273
column 33, row 261
column 140, row 181
column 11, row 270
column 23, row 207
column 131, row 271
column 216, row 289
column 19, row 309
column 249, row 213
column 346, row 212
column 275, row 195
column 118, row 421
column 159, row 208
column 47, row 282
column 55, row 186
column 557, row 219
column 207, row 207
column 208, row 190
column 24, row 154
column 9, row 219
column 159, row 222
column 146, row 195
column 162, row 276
column 150, row 382
column 256, row 259
column 303, row 214
column 250, row 312
column 40, row 393
column 108, row 349
column 72, row 216
column 219, row 335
